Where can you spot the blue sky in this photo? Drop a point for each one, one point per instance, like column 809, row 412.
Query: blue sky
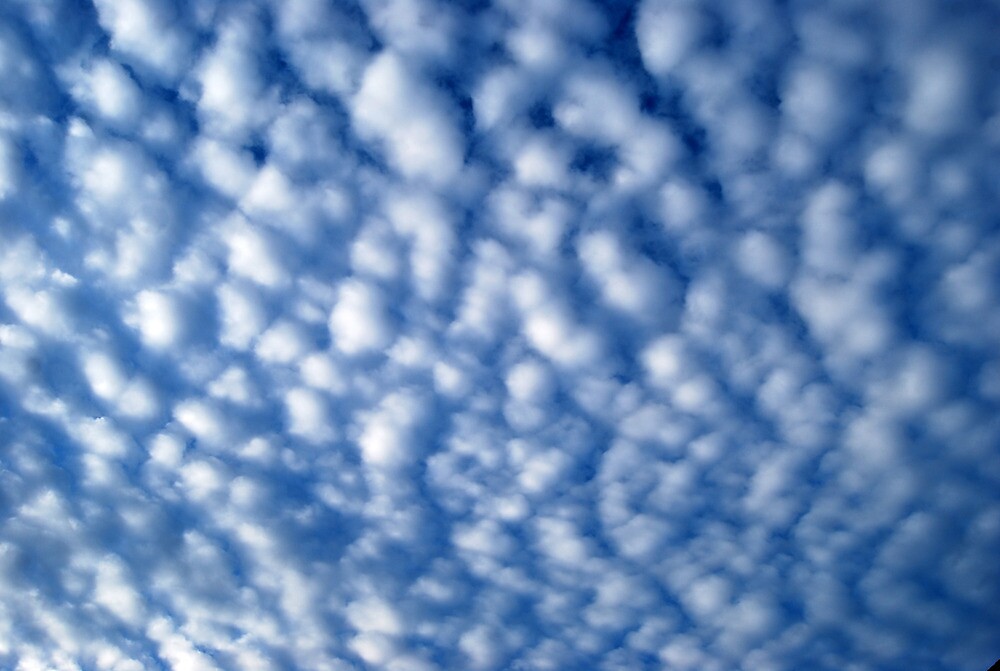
column 420, row 335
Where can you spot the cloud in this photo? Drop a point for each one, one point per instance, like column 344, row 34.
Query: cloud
column 360, row 321
column 412, row 120
column 233, row 100
column 667, row 32
column 406, row 335
column 147, row 33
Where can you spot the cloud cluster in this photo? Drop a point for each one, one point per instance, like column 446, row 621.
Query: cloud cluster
column 415, row 335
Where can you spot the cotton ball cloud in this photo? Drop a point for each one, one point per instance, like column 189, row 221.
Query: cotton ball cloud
column 223, row 166
column 761, row 258
column 324, row 44
column 360, row 322
column 415, row 124
column 668, row 31
column 542, row 162
column 429, row 227
column 411, row 334
column 322, row 371
column 941, row 88
column 46, row 310
column 243, row 315
column 147, row 33
column 539, row 224
column 131, row 396
column 502, row 94
column 667, row 361
column 309, row 416
column 116, row 179
column 530, row 381
column 550, row 326
column 114, row 591
column 283, row 343
column 597, row 107
column 483, row 303
column 204, row 420
column 531, row 387
column 627, row 282
column 376, row 252
column 538, row 47
column 274, row 199
column 830, row 235
column 851, row 318
column 389, row 436
column 415, row 28
column 235, row 386
column 683, row 205
column 107, row 88
column 160, row 317
column 254, row 254
column 813, row 101
column 234, row 100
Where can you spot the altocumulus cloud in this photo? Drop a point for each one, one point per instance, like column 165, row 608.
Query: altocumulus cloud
column 415, row 335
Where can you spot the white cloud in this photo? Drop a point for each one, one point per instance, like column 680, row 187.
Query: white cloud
column 133, row 397
column 817, row 100
column 540, row 226
column 667, row 33
column 323, row 43
column 413, row 121
column 762, row 259
column 283, row 343
column 503, row 93
column 483, row 304
column 530, row 381
column 411, row 335
column 389, row 437
column 321, row 371
column 309, row 416
column 627, row 281
column 108, row 89
column 160, row 319
column 234, row 100
column 243, row 315
column 940, row 91
column 113, row 590
column 666, row 361
column 360, row 322
column 415, row 28
column 44, row 310
column 145, row 32
column 223, row 166
column 204, row 420
column 429, row 227
column 374, row 615
column 541, row 162
column 236, row 386
column 550, row 327
column 254, row 254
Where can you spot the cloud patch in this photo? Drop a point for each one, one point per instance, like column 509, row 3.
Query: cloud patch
column 406, row 335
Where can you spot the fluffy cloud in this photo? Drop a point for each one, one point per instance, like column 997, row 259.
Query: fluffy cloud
column 411, row 119
column 415, row 335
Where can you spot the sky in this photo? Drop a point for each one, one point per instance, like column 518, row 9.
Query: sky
column 415, row 335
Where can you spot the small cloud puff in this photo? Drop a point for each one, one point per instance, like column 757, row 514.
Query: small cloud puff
column 360, row 321
column 414, row 122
